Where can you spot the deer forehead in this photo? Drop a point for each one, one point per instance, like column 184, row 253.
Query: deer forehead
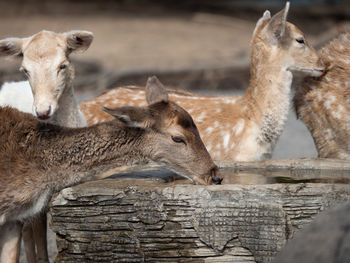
column 292, row 30
column 44, row 47
column 181, row 122
column 45, row 64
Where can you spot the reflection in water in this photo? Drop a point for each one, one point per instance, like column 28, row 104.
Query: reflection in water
column 233, row 176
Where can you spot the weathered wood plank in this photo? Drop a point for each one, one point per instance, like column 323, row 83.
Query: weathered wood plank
column 143, row 221
column 300, row 164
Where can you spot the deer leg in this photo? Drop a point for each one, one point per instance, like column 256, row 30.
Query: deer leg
column 40, row 235
column 10, row 242
column 29, row 243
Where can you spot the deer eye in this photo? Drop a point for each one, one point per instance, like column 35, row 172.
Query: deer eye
column 300, row 40
column 178, row 139
column 62, row 66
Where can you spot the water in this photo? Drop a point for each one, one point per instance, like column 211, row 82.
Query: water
column 243, row 176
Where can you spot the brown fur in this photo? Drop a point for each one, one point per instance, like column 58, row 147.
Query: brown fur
column 37, row 156
column 323, row 104
column 38, row 159
column 42, row 56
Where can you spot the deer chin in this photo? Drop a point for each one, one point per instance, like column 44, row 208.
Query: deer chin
column 317, row 72
column 206, row 179
column 195, row 178
column 313, row 72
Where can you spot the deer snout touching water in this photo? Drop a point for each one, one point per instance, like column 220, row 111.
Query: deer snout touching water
column 38, row 159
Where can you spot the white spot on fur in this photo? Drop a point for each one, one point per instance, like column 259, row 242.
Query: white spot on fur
column 226, row 140
column 218, row 110
column 228, row 100
column 217, row 154
column 209, row 130
column 201, row 116
column 336, row 115
column 238, row 128
column 216, row 124
column 328, row 102
column 194, row 97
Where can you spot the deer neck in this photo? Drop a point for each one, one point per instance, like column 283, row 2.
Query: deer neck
column 268, row 97
column 68, row 114
column 73, row 156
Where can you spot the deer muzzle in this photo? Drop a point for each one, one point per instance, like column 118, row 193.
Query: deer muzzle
column 216, row 177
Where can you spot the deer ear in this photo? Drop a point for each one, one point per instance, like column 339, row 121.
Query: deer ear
column 131, row 116
column 155, row 91
column 11, row 47
column 78, row 40
column 277, row 24
column 266, row 16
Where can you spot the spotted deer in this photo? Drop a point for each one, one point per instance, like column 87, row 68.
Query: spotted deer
column 323, row 103
column 237, row 128
column 48, row 94
column 38, row 159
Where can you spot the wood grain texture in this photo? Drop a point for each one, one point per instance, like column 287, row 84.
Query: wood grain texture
column 149, row 221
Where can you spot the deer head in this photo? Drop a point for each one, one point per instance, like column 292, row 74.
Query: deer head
column 176, row 142
column 46, row 64
column 280, row 43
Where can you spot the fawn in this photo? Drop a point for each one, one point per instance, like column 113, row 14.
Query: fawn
column 237, row 128
column 39, row 159
column 323, row 104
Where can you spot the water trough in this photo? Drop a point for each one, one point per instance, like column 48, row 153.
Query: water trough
column 148, row 216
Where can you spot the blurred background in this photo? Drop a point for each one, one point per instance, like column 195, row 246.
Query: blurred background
column 198, row 45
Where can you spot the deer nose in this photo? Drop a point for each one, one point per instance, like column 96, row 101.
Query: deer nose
column 216, row 176
column 43, row 115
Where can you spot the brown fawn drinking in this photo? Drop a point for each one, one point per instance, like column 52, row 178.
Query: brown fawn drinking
column 39, row 159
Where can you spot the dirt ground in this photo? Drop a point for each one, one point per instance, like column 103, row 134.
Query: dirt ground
column 207, row 52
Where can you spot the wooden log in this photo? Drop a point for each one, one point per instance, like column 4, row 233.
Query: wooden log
column 313, row 164
column 145, row 220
